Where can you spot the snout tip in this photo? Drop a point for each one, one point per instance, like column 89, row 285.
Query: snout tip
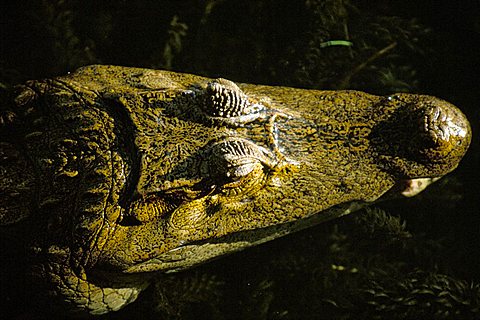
column 447, row 128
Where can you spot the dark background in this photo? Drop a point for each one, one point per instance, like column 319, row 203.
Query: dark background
column 414, row 259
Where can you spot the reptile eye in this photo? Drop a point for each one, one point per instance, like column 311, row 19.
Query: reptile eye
column 237, row 163
column 241, row 170
column 223, row 99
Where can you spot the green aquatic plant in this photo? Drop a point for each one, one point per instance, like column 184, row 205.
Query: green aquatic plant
column 331, row 43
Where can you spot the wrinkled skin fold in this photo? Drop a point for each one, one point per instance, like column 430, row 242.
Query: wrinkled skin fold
column 117, row 173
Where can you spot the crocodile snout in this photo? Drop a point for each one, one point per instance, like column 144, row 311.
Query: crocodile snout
column 447, row 129
column 446, row 124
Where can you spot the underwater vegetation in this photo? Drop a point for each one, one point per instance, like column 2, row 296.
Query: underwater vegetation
column 415, row 259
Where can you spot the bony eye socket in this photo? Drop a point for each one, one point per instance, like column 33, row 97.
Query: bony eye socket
column 238, row 175
column 225, row 102
column 239, row 171
column 237, row 166
column 245, row 185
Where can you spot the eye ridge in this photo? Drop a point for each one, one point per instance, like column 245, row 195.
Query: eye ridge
column 224, row 101
column 241, row 170
column 234, row 163
column 246, row 184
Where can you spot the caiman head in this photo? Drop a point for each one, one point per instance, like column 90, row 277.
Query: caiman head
column 140, row 170
column 219, row 167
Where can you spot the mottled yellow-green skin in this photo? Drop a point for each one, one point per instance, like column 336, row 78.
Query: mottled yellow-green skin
column 118, row 172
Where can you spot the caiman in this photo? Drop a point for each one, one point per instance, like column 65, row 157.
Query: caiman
column 111, row 175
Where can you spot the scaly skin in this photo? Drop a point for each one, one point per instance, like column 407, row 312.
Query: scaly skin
column 118, row 172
